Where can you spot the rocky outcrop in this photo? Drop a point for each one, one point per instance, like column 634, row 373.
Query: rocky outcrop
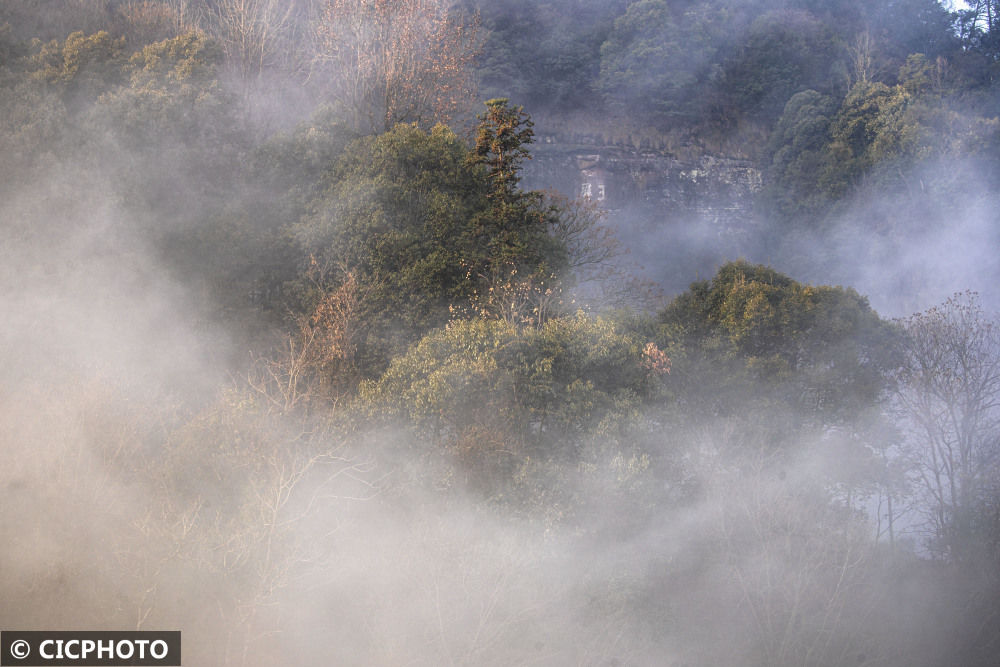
column 714, row 191
column 676, row 217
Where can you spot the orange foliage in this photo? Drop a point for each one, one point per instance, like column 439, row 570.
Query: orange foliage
column 655, row 360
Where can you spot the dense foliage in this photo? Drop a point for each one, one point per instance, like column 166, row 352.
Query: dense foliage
column 287, row 339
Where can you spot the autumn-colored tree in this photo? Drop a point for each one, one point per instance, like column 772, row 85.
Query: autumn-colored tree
column 317, row 364
column 396, row 61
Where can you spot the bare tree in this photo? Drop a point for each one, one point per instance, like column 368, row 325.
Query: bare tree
column 600, row 271
column 949, row 397
column 579, row 226
column 861, row 55
column 317, row 365
column 257, row 35
column 799, row 566
column 146, row 21
column 395, row 61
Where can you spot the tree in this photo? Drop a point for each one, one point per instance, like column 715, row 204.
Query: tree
column 520, row 225
column 979, row 26
column 143, row 22
column 753, row 341
column 783, row 52
column 862, row 118
column 651, row 57
column 423, row 227
column 591, row 247
column 912, row 26
column 798, row 151
column 317, row 366
column 800, row 569
column 250, row 484
column 81, row 67
column 396, row 61
column 173, row 96
column 949, row 397
column 255, row 35
column 404, row 214
column 176, row 120
column 34, row 19
column 502, row 139
column 497, row 397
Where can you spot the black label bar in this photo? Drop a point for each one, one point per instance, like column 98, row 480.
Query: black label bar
column 95, row 649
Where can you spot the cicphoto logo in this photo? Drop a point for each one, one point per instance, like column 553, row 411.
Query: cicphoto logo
column 39, row 648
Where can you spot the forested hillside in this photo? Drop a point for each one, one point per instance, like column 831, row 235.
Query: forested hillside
column 292, row 361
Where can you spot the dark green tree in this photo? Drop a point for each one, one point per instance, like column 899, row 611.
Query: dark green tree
column 798, row 155
column 424, row 226
column 502, row 140
column 784, row 52
column 542, row 54
column 652, row 57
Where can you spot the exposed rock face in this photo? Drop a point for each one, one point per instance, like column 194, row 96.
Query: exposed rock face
column 676, row 217
column 711, row 190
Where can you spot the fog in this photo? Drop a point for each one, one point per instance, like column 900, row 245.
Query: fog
column 947, row 247
column 156, row 473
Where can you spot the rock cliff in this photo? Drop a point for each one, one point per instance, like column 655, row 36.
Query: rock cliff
column 714, row 191
column 677, row 217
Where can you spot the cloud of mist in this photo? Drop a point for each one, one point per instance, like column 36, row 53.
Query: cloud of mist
column 908, row 251
column 905, row 249
column 144, row 485
column 137, row 504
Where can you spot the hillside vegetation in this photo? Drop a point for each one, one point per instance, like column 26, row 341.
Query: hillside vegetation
column 294, row 364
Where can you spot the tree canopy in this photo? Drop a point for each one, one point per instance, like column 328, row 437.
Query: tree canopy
column 284, row 325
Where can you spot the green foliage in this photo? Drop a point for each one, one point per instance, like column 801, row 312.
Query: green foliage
column 186, row 60
column 819, row 349
column 496, row 396
column 784, row 52
column 883, row 141
column 542, row 54
column 397, row 211
column 10, row 48
column 520, row 222
column 798, row 154
column 912, row 26
column 249, row 240
column 172, row 94
column 421, row 229
column 33, row 124
column 82, row 67
column 382, row 246
column 651, row 57
column 296, row 161
column 871, row 127
column 502, row 139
